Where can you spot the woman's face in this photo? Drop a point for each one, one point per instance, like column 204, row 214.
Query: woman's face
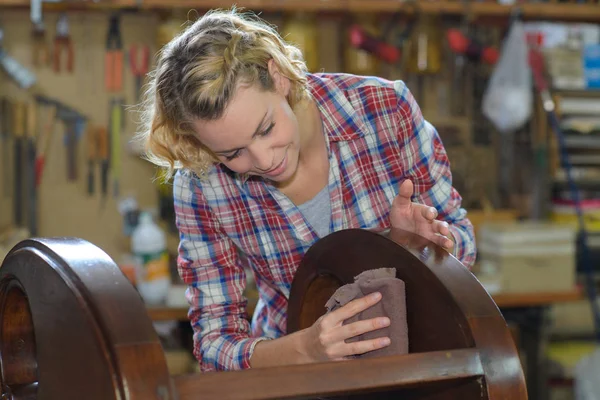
column 258, row 133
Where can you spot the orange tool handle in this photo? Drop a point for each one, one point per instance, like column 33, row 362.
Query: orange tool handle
column 113, row 70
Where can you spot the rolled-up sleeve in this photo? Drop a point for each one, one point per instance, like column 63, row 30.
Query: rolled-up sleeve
column 208, row 264
column 426, row 162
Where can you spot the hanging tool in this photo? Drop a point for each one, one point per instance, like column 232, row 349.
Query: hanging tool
column 470, row 48
column 71, row 144
column 383, row 46
column 17, row 72
column 19, row 131
column 361, row 39
column 113, row 62
column 139, row 68
column 103, row 154
column 30, row 156
column 116, row 124
column 458, row 89
column 44, row 140
column 74, row 124
column 40, row 51
column 97, row 140
column 92, row 142
column 62, row 42
column 5, row 116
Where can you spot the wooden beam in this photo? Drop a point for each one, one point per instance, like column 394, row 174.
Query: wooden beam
column 348, row 377
column 534, row 11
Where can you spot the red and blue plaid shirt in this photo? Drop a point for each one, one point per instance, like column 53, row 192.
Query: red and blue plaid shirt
column 232, row 224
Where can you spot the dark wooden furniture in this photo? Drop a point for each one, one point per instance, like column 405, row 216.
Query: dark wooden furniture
column 73, row 327
column 448, row 310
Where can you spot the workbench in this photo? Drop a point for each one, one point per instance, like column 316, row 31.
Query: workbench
column 526, row 311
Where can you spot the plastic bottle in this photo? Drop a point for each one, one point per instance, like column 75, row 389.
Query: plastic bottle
column 149, row 247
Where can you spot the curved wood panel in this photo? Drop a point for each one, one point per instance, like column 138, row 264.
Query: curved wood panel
column 447, row 308
column 77, row 325
column 73, row 327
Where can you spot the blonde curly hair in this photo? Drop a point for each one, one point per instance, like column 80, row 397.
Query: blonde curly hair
column 197, row 75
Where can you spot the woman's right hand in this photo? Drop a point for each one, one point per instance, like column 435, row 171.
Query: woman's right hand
column 326, row 339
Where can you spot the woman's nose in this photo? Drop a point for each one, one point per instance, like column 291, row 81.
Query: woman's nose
column 262, row 157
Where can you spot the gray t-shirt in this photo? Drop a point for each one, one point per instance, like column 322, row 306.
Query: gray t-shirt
column 317, row 212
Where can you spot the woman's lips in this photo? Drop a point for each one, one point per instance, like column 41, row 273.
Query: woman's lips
column 279, row 169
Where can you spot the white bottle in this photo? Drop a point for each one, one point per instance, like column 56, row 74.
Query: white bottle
column 149, row 247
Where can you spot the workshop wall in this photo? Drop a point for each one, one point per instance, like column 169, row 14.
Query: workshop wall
column 64, row 207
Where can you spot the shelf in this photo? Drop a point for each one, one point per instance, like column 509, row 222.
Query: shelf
column 539, row 11
column 168, row 313
column 514, row 300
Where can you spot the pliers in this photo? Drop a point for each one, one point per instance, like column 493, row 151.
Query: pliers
column 40, row 49
column 62, row 41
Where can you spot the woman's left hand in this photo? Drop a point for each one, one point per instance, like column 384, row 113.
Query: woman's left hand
column 418, row 218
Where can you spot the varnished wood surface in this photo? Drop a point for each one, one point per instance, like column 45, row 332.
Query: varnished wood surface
column 94, row 340
column 334, row 378
column 447, row 308
column 541, row 11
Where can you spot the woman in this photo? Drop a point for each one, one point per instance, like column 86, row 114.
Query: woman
column 269, row 159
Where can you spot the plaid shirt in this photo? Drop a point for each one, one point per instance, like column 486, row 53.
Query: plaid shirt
column 231, row 224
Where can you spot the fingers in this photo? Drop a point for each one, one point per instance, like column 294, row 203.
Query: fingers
column 364, row 346
column 331, row 335
column 442, row 230
column 336, row 346
column 442, row 227
column 405, row 193
column 429, row 213
column 358, row 328
column 406, row 189
column 353, row 308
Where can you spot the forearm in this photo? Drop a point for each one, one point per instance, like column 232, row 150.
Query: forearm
column 287, row 350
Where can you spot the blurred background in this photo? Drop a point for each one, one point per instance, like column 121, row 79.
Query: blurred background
column 512, row 88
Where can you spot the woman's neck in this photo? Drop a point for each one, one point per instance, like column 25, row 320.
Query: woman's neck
column 311, row 130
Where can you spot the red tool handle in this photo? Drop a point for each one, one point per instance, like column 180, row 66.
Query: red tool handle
column 461, row 44
column 39, row 169
column 362, row 40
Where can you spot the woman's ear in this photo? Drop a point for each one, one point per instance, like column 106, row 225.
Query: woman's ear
column 282, row 84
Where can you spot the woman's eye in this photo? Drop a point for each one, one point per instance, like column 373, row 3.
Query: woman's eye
column 233, row 156
column 268, row 130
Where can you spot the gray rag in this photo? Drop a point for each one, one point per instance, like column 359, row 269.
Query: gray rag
column 391, row 305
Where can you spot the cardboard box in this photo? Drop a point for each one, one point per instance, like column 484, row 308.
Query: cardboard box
column 529, row 257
